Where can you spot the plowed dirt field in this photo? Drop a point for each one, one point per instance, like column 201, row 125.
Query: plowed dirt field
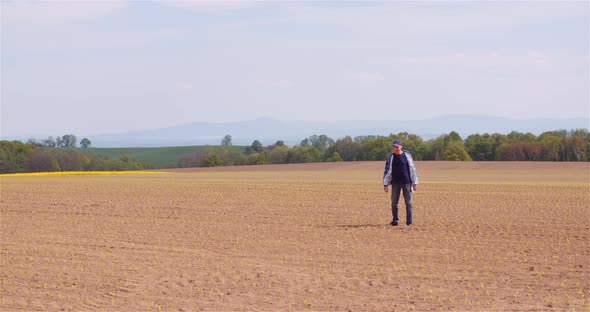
column 486, row 236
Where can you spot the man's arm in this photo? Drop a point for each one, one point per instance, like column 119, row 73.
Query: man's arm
column 413, row 171
column 387, row 174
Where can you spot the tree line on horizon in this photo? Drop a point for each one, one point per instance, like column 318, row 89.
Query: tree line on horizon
column 559, row 145
column 35, row 156
column 60, row 154
column 65, row 141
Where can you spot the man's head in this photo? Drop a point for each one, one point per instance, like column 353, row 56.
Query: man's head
column 397, row 146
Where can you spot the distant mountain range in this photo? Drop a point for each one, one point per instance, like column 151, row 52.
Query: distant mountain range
column 268, row 130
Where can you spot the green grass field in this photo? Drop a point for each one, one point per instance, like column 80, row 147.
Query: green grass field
column 161, row 157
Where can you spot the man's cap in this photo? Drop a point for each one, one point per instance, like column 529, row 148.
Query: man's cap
column 397, row 143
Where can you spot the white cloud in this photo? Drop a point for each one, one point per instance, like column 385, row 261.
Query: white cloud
column 365, row 77
column 415, row 20
column 273, row 84
column 537, row 57
column 489, row 59
column 209, row 5
column 183, row 86
column 40, row 13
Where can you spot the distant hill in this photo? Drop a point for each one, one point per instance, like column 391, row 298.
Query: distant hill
column 268, row 130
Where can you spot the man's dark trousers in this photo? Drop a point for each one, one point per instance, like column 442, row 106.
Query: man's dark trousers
column 395, row 192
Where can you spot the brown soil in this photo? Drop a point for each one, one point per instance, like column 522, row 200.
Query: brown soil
column 486, row 236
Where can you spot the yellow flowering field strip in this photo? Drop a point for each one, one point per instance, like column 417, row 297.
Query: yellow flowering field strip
column 77, row 173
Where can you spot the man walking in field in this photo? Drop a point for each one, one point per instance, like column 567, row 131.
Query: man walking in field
column 401, row 173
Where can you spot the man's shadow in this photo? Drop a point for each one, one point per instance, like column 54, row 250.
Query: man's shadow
column 355, row 226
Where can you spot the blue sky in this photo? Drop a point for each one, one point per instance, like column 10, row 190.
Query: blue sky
column 105, row 67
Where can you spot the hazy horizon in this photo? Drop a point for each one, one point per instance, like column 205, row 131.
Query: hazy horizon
column 109, row 67
column 269, row 130
column 326, row 122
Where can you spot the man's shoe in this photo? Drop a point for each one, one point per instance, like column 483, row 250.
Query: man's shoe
column 393, row 223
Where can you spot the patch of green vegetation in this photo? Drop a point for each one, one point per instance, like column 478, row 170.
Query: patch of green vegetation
column 161, row 157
